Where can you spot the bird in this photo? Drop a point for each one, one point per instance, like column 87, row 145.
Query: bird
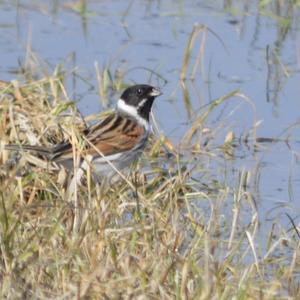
column 113, row 143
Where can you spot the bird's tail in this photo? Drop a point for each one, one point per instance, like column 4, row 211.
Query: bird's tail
column 36, row 149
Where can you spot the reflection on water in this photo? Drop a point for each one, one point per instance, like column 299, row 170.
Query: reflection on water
column 250, row 48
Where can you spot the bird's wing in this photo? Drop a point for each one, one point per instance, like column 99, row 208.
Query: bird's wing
column 116, row 133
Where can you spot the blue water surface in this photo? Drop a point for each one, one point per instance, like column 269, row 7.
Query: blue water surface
column 252, row 51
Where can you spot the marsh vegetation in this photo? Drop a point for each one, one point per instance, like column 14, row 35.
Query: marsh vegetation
column 210, row 211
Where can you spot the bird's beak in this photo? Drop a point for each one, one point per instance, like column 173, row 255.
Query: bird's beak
column 155, row 92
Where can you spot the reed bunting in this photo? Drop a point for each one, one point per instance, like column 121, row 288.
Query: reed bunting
column 112, row 144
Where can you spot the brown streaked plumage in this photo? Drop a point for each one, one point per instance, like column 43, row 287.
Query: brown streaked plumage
column 107, row 136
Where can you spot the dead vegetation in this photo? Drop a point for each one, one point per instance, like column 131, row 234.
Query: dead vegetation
column 174, row 232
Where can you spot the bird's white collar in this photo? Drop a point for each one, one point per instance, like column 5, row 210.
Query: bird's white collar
column 132, row 111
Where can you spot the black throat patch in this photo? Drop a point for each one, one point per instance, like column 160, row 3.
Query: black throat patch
column 144, row 110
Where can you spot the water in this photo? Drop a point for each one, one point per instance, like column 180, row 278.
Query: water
column 256, row 52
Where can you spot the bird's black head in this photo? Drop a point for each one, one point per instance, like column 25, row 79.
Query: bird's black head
column 138, row 100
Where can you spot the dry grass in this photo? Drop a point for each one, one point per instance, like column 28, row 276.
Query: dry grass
column 176, row 230
column 170, row 237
